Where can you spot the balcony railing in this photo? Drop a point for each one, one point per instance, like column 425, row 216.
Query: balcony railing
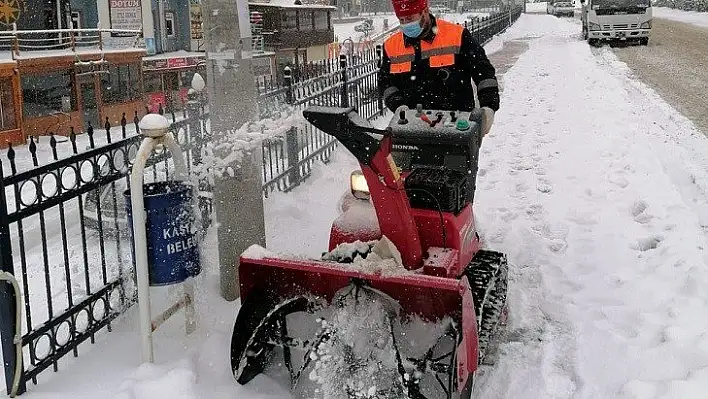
column 73, row 40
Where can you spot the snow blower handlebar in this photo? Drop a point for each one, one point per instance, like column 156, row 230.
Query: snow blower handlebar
column 388, row 194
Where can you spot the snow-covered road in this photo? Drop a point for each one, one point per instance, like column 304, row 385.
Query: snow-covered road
column 595, row 188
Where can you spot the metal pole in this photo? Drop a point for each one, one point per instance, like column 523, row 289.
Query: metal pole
column 238, row 199
column 137, row 201
column 140, row 239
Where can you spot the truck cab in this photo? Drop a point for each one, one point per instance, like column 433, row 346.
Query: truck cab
column 560, row 8
column 616, row 20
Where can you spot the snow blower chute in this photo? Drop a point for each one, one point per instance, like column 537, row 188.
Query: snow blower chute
column 408, row 312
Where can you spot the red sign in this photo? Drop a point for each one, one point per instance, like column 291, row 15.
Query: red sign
column 171, row 63
column 177, row 62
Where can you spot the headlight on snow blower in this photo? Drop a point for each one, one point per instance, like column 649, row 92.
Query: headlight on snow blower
column 358, row 185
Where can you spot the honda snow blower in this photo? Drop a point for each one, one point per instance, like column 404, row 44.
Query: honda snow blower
column 406, row 305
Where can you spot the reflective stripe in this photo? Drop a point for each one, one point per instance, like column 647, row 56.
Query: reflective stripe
column 487, row 84
column 389, row 91
column 440, row 51
column 402, row 67
column 402, row 58
column 438, row 61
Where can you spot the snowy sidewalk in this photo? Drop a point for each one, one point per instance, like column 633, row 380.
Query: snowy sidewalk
column 597, row 191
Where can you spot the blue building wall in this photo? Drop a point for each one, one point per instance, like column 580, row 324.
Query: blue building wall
column 181, row 39
column 88, row 12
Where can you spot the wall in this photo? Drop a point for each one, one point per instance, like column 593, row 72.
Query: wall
column 316, row 53
column 180, row 9
column 58, row 124
column 114, row 113
column 88, row 10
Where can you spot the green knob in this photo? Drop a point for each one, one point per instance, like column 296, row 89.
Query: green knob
column 463, row 124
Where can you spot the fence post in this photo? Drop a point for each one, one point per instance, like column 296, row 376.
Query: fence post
column 195, row 126
column 293, row 148
column 288, row 80
column 8, row 311
column 344, row 101
column 379, row 58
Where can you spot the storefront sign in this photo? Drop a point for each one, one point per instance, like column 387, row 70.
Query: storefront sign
column 125, row 14
column 195, row 19
column 171, row 63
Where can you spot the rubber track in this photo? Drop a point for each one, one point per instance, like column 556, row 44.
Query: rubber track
column 487, row 274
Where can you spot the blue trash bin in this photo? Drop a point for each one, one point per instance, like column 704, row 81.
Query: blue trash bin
column 172, row 241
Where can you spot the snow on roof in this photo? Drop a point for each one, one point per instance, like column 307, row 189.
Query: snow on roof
column 289, row 4
column 174, row 54
column 29, row 54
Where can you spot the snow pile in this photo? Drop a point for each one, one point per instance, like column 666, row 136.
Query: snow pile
column 226, row 155
column 689, row 17
column 373, row 257
column 151, row 381
column 256, row 251
column 358, row 357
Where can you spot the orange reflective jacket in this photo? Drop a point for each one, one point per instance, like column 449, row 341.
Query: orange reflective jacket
column 441, row 51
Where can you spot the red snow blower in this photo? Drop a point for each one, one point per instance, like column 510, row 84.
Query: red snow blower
column 405, row 308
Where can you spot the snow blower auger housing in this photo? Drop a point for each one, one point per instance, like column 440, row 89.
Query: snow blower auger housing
column 408, row 312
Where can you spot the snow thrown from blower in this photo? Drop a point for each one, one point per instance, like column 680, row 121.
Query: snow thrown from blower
column 359, row 359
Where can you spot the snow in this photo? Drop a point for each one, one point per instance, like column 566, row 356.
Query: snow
column 343, row 31
column 154, row 122
column 594, row 187
column 541, row 7
column 689, row 17
column 291, row 4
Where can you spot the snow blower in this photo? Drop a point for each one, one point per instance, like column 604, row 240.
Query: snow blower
column 408, row 307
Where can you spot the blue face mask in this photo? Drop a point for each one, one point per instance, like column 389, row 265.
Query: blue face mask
column 412, row 29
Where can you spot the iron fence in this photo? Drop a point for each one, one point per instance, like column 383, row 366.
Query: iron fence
column 63, row 225
column 64, row 236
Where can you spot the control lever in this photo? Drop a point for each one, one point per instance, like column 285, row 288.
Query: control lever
column 402, row 118
column 437, row 120
column 419, row 110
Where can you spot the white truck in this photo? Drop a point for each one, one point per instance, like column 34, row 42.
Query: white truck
column 560, row 8
column 616, row 20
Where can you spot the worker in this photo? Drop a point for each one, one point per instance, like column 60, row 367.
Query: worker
column 433, row 62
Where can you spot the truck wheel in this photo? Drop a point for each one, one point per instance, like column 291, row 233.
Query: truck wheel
column 644, row 41
column 593, row 42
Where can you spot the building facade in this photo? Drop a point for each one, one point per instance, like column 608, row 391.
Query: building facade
column 51, row 82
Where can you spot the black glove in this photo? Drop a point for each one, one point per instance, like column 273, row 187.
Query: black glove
column 395, row 100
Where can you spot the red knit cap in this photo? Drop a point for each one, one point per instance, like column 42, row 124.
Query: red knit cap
column 404, row 8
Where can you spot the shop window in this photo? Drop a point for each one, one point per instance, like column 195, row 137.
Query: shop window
column 289, row 20
column 305, row 20
column 47, row 94
column 321, row 20
column 8, row 121
column 121, row 84
column 170, row 23
column 153, row 82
